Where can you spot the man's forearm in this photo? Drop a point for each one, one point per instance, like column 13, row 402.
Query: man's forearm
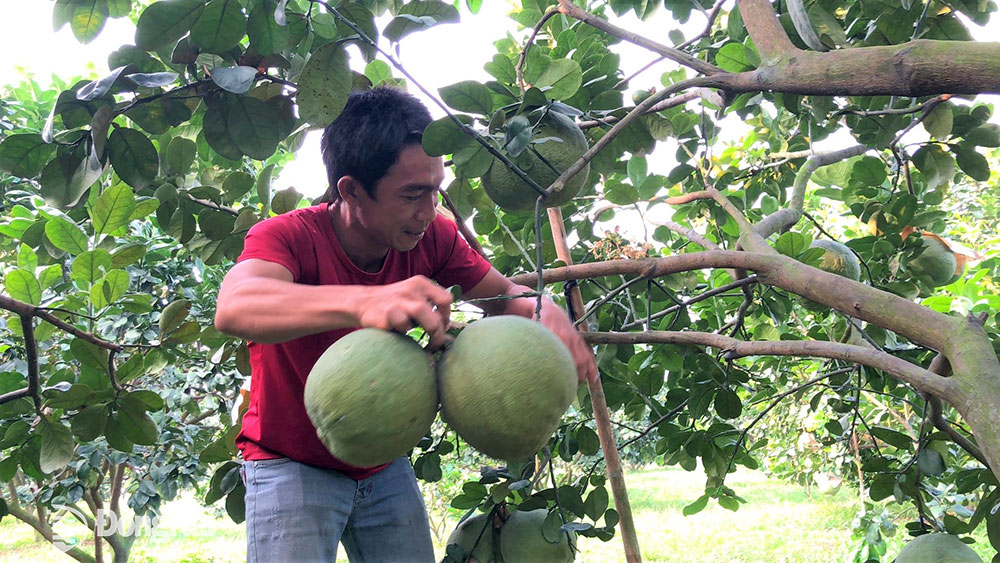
column 270, row 311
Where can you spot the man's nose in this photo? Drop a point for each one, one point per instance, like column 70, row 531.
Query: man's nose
column 428, row 206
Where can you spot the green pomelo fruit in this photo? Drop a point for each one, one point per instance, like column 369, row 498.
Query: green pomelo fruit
column 565, row 145
column 936, row 264
column 837, row 259
column 937, row 548
column 471, row 531
column 522, row 541
column 371, row 396
column 504, row 384
column 640, row 96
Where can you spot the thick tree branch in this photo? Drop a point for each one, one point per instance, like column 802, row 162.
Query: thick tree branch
column 764, row 28
column 920, row 324
column 789, row 216
column 901, row 369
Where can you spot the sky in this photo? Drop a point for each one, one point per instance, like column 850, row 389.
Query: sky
column 437, row 57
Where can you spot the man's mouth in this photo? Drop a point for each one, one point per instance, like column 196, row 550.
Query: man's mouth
column 414, row 234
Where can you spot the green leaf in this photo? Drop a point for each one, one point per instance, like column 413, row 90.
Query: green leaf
column 733, row 57
column 364, row 20
column 220, row 27
column 180, row 156
column 284, row 201
column 87, row 267
column 57, row 445
column 173, row 315
column 892, row 437
column 472, row 161
column 237, row 79
column 146, row 399
column 164, row 22
column 419, row 15
column 469, row 96
column 133, row 157
column 637, row 170
column 113, row 209
column 253, row 127
column 378, row 72
column 502, row 69
column 868, row 171
column 115, row 435
column 27, row 259
column 216, row 129
column 444, row 136
column 137, row 427
column 66, row 235
column 72, row 397
column 22, row 285
column 324, row 85
column 266, row 35
column 971, row 162
column 560, row 79
column 66, row 178
column 937, row 166
column 728, row 404
column 25, row 154
column 264, row 187
column 517, row 135
column 89, row 423
column 88, row 19
column 696, row 506
column 127, row 255
column 89, row 354
column 236, row 185
column 938, row 122
column 985, row 136
column 596, row 503
column 791, row 244
column 110, row 289
column 235, row 507
column 993, row 527
column 619, row 193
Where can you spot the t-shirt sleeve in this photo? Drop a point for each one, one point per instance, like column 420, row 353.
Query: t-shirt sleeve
column 272, row 240
column 458, row 263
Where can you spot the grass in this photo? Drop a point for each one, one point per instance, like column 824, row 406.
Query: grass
column 780, row 523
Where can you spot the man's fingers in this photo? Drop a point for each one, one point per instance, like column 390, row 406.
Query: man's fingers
column 432, row 324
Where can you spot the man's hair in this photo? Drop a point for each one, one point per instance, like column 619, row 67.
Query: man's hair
column 367, row 137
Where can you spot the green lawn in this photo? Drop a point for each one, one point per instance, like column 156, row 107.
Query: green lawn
column 779, row 523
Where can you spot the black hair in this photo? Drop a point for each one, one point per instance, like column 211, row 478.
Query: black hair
column 367, row 137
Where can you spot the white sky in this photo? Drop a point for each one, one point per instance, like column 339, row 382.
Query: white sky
column 436, row 57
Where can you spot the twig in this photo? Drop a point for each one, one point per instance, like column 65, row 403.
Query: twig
column 469, row 236
column 749, row 280
column 676, row 55
column 519, row 69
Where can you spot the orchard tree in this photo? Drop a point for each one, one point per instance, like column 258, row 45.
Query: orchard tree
column 125, row 197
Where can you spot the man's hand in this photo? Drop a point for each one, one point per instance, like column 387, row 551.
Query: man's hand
column 556, row 320
column 401, row 306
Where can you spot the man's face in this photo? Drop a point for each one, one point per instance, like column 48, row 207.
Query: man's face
column 405, row 200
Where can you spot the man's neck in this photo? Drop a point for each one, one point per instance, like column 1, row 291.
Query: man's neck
column 360, row 249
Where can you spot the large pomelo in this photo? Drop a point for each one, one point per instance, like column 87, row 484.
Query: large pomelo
column 936, row 264
column 371, row 396
column 475, row 532
column 565, row 145
column 937, row 548
column 522, row 541
column 504, row 384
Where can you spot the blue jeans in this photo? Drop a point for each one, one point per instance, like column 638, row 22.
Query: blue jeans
column 297, row 512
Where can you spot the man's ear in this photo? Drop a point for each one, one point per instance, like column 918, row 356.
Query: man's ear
column 350, row 189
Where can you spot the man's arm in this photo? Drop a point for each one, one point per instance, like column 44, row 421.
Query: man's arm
column 552, row 317
column 260, row 301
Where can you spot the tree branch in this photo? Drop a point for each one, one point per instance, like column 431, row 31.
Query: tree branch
column 901, row 369
column 676, row 55
column 519, row 68
column 790, row 215
column 21, row 308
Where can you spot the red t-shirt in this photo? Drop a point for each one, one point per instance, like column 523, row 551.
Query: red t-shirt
column 303, row 241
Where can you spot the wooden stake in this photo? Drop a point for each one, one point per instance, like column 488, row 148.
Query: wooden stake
column 602, row 418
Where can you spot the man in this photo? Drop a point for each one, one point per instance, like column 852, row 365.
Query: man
column 365, row 258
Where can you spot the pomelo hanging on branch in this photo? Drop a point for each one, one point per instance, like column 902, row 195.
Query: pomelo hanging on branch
column 504, row 385
column 555, row 144
column 371, row 396
column 937, row 548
